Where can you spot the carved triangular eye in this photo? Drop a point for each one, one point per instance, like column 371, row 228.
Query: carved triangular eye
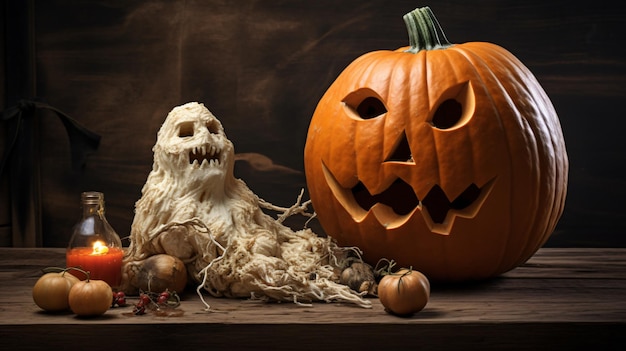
column 455, row 107
column 364, row 104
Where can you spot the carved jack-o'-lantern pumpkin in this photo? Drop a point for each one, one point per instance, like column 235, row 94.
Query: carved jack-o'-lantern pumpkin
column 448, row 158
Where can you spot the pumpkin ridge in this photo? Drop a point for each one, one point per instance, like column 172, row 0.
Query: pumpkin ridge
column 533, row 126
column 527, row 122
column 542, row 127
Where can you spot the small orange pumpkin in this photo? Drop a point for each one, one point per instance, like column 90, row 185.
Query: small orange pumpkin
column 52, row 289
column 91, row 297
column 445, row 157
column 404, row 292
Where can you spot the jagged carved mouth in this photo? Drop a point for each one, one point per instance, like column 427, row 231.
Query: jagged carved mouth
column 205, row 156
column 397, row 203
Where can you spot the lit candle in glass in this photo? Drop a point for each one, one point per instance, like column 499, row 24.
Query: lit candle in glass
column 95, row 246
column 102, row 262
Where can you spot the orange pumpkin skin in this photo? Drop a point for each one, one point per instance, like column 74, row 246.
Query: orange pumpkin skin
column 51, row 291
column 90, row 297
column 503, row 156
column 404, row 292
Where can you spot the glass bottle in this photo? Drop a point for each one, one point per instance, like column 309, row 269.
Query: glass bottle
column 94, row 246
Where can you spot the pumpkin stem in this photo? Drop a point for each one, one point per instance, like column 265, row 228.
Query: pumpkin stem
column 385, row 269
column 64, row 270
column 86, row 273
column 425, row 33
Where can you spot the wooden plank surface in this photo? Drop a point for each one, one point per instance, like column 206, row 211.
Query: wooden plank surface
column 560, row 298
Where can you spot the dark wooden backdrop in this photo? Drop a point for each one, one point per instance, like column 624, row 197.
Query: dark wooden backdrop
column 118, row 67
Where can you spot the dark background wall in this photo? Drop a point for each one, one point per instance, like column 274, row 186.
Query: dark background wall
column 118, row 67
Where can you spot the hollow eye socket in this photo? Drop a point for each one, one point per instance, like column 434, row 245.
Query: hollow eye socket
column 364, row 104
column 448, row 114
column 371, row 107
column 213, row 127
column 185, row 130
column 456, row 107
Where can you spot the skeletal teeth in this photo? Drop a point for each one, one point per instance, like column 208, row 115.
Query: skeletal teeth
column 209, row 153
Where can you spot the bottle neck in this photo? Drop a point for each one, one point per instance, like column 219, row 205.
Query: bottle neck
column 92, row 210
column 93, row 204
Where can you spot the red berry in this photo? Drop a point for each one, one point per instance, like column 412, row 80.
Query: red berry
column 162, row 300
column 121, row 298
column 144, row 298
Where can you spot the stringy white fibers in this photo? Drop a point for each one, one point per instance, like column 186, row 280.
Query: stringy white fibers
column 215, row 224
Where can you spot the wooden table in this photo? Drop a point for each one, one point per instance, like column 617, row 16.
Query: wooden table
column 560, row 299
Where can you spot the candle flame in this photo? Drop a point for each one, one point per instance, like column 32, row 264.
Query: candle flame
column 99, row 248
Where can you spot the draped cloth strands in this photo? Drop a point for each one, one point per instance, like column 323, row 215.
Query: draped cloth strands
column 23, row 169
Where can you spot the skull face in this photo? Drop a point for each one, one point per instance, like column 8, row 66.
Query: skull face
column 192, row 145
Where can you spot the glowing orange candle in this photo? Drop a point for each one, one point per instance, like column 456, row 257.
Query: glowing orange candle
column 100, row 261
column 95, row 246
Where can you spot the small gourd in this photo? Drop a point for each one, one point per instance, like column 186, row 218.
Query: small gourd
column 90, row 297
column 52, row 289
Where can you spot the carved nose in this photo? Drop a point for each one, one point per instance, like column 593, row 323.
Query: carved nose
column 401, row 152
